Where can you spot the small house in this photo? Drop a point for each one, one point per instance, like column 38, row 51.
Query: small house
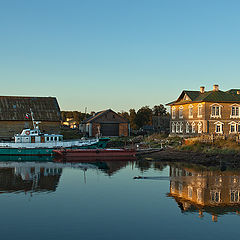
column 105, row 123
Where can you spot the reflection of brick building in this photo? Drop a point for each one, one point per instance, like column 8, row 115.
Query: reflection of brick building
column 105, row 123
column 213, row 192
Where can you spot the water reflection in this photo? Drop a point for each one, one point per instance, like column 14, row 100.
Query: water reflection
column 43, row 176
column 202, row 190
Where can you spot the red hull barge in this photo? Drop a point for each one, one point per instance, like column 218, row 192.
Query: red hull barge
column 95, row 154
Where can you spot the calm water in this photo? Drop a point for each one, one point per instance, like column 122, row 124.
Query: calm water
column 103, row 201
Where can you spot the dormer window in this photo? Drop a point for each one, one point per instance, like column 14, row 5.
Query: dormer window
column 173, row 112
column 216, row 110
column 181, row 112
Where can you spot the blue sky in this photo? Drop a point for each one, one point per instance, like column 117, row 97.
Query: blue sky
column 117, row 54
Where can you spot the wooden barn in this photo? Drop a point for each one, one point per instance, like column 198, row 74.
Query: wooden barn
column 105, row 123
column 13, row 112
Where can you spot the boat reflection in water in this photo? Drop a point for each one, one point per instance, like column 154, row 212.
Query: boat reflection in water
column 213, row 192
column 42, row 174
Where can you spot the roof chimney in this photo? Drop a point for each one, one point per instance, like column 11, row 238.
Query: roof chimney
column 215, row 88
column 202, row 89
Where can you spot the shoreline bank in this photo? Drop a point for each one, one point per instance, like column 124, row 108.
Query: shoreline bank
column 173, row 155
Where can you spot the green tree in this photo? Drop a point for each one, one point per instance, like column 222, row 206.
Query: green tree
column 143, row 117
column 159, row 110
column 132, row 118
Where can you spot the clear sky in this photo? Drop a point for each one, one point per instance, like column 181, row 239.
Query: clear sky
column 117, row 54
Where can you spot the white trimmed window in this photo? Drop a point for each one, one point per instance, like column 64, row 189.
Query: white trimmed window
column 216, row 110
column 181, row 112
column 234, row 196
column 190, row 191
column 233, row 127
column 238, row 128
column 173, row 112
column 173, row 127
column 187, row 127
column 193, row 127
column 218, row 127
column 235, row 111
column 215, row 196
column 177, row 127
column 199, row 127
column 200, row 110
column 190, row 111
column 181, row 127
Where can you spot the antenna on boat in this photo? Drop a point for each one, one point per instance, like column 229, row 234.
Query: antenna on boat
column 35, row 124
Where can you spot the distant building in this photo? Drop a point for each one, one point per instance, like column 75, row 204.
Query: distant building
column 197, row 112
column 13, row 112
column 71, row 123
column 105, row 123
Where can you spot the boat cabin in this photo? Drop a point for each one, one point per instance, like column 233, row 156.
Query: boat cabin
column 35, row 136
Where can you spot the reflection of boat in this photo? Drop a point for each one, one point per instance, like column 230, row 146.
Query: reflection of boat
column 33, row 142
column 96, row 154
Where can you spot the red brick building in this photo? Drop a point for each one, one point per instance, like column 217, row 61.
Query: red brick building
column 105, row 123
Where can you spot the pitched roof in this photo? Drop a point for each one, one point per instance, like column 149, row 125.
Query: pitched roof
column 15, row 108
column 210, row 96
column 101, row 113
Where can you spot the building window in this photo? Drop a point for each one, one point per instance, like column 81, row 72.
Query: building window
column 191, row 111
column 187, row 128
column 181, row 128
column 190, row 191
column 200, row 107
column 181, row 112
column 234, row 196
column 173, row 128
column 173, row 112
column 215, row 196
column 235, row 112
column 193, row 127
column 216, row 111
column 238, row 128
column 218, row 127
column 233, row 127
column 199, row 127
column 199, row 195
column 177, row 127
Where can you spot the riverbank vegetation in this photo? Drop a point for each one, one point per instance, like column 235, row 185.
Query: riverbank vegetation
column 227, row 146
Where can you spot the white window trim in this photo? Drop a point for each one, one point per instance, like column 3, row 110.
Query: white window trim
column 180, row 116
column 220, row 110
column 173, row 127
column 187, row 127
column 221, row 127
column 193, row 127
column 235, row 116
column 235, row 127
column 200, row 106
column 177, row 129
column 181, row 128
column 200, row 125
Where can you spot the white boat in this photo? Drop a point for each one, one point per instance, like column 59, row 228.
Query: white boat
column 33, row 142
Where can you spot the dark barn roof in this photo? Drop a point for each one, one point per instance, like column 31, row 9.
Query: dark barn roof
column 100, row 114
column 15, row 108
